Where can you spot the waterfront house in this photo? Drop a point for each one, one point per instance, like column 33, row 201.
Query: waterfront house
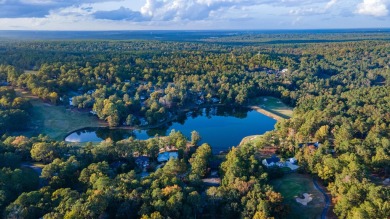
column 272, row 161
column 165, row 156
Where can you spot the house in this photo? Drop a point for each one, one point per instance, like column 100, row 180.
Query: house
column 215, row 100
column 272, row 161
column 292, row 160
column 199, row 102
column 4, row 83
column 142, row 161
column 117, row 164
column 143, row 122
column 168, row 148
column 165, row 156
column 91, row 91
column 71, row 101
column 310, row 144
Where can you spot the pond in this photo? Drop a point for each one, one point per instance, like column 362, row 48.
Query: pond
column 221, row 127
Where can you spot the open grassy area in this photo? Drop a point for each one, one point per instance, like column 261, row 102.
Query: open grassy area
column 272, row 107
column 250, row 139
column 30, row 72
column 293, row 185
column 56, row 121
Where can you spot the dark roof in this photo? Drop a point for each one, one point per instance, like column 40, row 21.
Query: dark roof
column 315, row 144
column 116, row 164
column 273, row 159
column 141, row 159
column 4, row 83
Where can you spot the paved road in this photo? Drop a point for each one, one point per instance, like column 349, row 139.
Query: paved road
column 327, row 199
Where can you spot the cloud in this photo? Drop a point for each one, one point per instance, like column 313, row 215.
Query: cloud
column 190, row 14
column 37, row 8
column 121, row 14
column 304, row 11
column 16, row 10
column 155, row 10
column 330, row 4
column 377, row 8
column 160, row 10
column 183, row 9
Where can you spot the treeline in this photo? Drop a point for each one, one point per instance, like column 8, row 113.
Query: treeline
column 139, row 82
column 104, row 181
column 340, row 90
column 14, row 111
column 303, row 37
column 354, row 158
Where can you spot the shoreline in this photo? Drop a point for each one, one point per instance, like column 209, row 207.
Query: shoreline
column 258, row 109
column 146, row 127
column 103, row 124
column 248, row 139
column 269, row 113
column 266, row 112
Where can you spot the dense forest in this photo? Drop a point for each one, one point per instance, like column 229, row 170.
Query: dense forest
column 340, row 90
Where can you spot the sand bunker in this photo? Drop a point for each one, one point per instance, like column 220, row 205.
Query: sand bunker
column 307, row 198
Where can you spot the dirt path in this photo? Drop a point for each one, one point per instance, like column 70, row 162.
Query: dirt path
column 327, row 199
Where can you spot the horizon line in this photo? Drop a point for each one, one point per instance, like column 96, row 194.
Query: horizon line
column 201, row 30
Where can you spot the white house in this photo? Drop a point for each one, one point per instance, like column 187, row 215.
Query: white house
column 143, row 122
column 215, row 100
column 272, row 161
column 292, row 160
column 165, row 156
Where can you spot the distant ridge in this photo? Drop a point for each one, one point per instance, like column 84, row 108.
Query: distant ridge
column 168, row 35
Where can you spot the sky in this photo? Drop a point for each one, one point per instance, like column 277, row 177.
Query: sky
column 192, row 14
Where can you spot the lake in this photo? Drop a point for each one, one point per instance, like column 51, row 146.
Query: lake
column 221, row 127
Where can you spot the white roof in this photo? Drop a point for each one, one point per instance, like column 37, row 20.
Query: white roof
column 165, row 156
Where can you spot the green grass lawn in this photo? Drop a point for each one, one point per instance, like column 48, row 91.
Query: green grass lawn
column 293, row 185
column 30, row 72
column 286, row 169
column 250, row 139
column 275, row 105
column 56, row 121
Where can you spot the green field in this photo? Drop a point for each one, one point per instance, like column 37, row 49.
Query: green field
column 273, row 107
column 253, row 139
column 56, row 121
column 293, row 185
column 30, row 72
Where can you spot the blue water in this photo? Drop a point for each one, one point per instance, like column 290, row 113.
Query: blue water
column 219, row 127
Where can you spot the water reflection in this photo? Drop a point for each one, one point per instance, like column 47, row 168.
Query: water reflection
column 221, row 127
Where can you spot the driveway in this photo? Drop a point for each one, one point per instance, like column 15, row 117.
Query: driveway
column 327, row 199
